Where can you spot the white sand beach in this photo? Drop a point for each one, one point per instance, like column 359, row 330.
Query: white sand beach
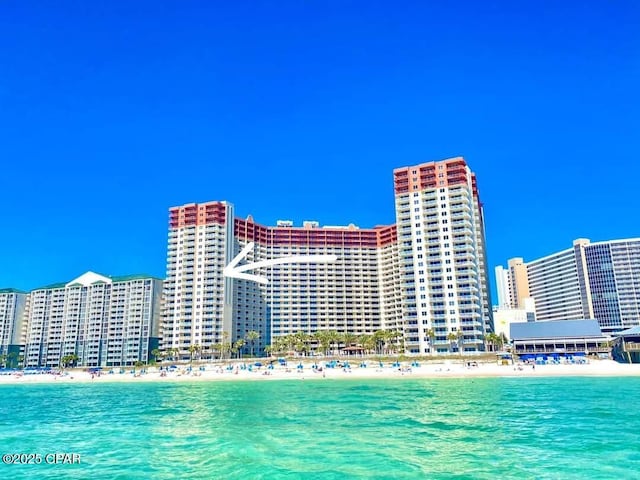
column 304, row 370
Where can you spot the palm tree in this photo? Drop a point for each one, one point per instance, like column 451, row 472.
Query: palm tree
column 452, row 337
column 502, row 340
column 3, row 360
column 251, row 337
column 368, row 343
column 225, row 345
column 460, row 341
column 322, row 337
column 383, row 340
column 68, row 360
column 333, row 337
column 138, row 364
column 393, row 339
column 301, row 340
column 193, row 351
column 349, row 339
column 431, row 333
column 238, row 347
column 156, row 354
column 217, row 347
column 13, row 359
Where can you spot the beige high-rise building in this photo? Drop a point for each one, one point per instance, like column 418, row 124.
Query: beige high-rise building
column 512, row 284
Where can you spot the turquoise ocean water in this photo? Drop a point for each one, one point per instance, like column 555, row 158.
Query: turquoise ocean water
column 525, row 428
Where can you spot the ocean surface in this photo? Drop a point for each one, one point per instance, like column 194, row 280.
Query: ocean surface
column 493, row 428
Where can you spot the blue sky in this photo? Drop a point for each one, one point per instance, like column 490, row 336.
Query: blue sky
column 111, row 112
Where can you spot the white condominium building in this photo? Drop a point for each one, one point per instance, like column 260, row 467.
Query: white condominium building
column 442, row 257
column 598, row 280
column 344, row 296
column 12, row 305
column 555, row 284
column 426, row 272
column 198, row 299
column 103, row 321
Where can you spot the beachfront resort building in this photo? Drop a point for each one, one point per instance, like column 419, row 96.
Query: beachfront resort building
column 424, row 276
column 97, row 320
column 599, row 280
column 554, row 340
column 442, row 258
column 204, row 308
column 12, row 305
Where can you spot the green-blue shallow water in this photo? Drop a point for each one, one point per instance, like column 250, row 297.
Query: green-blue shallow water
column 535, row 428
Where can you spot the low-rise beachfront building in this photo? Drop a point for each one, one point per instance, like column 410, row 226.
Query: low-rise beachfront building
column 94, row 319
column 560, row 338
column 626, row 346
column 12, row 332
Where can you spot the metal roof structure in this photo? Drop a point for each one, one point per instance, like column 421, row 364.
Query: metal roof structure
column 555, row 329
column 634, row 331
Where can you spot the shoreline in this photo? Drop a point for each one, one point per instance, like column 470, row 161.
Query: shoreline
column 425, row 370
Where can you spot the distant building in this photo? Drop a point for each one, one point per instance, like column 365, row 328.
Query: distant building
column 559, row 337
column 503, row 317
column 513, row 284
column 12, row 305
column 104, row 321
column 590, row 280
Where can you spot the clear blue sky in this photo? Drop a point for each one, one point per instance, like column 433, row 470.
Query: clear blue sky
column 113, row 111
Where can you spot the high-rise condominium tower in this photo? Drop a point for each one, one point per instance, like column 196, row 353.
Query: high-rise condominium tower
column 198, row 299
column 203, row 308
column 429, row 272
column 598, row 280
column 442, row 256
column 12, row 305
column 104, row 321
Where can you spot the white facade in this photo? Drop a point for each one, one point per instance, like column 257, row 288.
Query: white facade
column 555, row 286
column 343, row 296
column 503, row 317
column 427, row 272
column 442, row 261
column 104, row 321
column 502, row 287
column 598, row 280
